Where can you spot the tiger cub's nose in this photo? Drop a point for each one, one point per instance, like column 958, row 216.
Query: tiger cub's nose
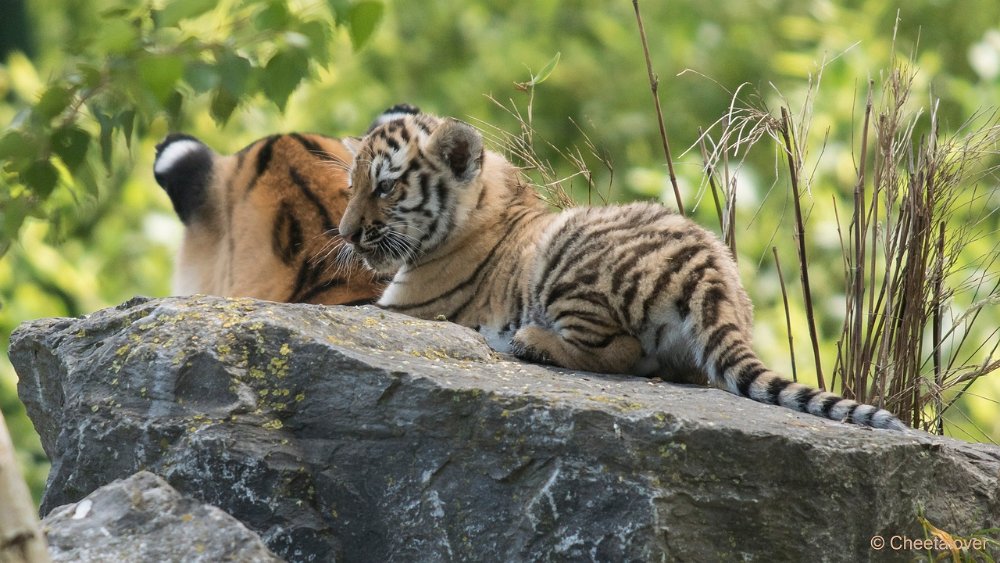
column 352, row 236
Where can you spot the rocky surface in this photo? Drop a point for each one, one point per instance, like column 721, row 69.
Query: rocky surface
column 356, row 434
column 142, row 518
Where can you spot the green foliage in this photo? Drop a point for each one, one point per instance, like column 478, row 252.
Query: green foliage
column 84, row 226
column 139, row 65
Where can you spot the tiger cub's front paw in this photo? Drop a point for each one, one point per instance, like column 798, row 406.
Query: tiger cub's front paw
column 527, row 345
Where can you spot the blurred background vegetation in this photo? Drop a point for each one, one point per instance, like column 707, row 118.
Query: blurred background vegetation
column 87, row 87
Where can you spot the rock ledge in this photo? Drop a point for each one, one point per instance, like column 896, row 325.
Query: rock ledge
column 357, row 434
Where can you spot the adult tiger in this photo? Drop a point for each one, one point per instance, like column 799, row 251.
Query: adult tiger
column 263, row 222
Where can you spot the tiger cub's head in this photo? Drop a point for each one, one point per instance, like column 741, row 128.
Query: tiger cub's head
column 263, row 222
column 414, row 181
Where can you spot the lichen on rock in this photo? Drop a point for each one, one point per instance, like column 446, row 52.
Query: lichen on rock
column 355, row 433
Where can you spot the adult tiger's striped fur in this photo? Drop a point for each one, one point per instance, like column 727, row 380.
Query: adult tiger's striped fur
column 263, row 222
column 624, row 289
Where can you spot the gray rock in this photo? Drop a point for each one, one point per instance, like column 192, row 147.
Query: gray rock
column 142, row 518
column 358, row 434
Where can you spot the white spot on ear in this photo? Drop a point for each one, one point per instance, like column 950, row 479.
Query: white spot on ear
column 173, row 153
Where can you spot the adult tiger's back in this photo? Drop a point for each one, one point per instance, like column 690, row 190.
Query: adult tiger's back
column 263, row 222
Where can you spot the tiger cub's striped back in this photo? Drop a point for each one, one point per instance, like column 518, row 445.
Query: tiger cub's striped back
column 622, row 289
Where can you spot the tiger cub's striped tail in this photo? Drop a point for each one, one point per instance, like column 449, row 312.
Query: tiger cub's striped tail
column 741, row 372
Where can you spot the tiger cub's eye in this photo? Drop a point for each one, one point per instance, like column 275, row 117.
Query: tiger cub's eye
column 384, row 188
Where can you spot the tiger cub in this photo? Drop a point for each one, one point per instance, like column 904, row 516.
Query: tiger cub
column 263, row 222
column 631, row 289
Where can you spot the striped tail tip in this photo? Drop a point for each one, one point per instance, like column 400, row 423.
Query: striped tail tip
column 773, row 389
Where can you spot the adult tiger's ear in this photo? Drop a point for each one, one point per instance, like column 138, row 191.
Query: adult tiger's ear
column 352, row 144
column 184, row 168
column 459, row 146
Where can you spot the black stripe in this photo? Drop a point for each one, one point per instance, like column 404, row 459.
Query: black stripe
column 511, row 222
column 424, row 181
column 683, row 302
column 803, row 397
column 775, row 388
column 392, row 142
column 581, row 342
column 305, row 276
column 675, row 263
column 481, row 199
column 850, row 412
column 286, row 235
column 513, row 226
column 263, row 160
column 441, row 192
column 829, row 403
column 629, row 294
column 462, row 285
column 317, row 149
column 746, row 377
column 659, row 335
column 715, row 339
column 556, row 250
column 311, row 146
column 320, row 288
column 303, row 186
column 733, row 358
column 564, row 247
column 357, row 302
column 710, row 301
column 598, row 299
column 862, row 418
column 588, row 317
column 627, row 262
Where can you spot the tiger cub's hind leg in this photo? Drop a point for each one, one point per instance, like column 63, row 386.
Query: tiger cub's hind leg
column 616, row 353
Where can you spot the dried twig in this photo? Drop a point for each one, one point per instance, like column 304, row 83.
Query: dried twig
column 788, row 317
column 800, row 239
column 654, row 84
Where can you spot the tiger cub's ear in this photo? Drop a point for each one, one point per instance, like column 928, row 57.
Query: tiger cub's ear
column 459, row 146
column 352, row 144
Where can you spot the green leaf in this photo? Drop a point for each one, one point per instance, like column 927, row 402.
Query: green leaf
column 159, row 74
column 339, row 9
column 55, row 99
column 201, row 76
column 71, row 144
column 85, row 177
column 116, row 37
column 126, row 120
column 233, row 73
column 14, row 211
column 177, row 10
column 16, row 146
column 173, row 107
column 86, row 76
column 223, row 105
column 275, row 17
column 282, row 75
column 107, row 128
column 363, row 18
column 318, row 34
column 546, row 70
column 41, row 177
